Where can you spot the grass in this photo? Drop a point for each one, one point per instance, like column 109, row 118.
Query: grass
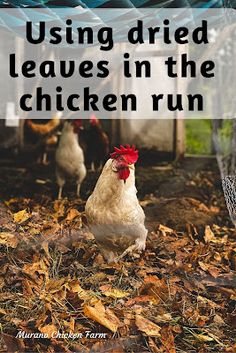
column 198, row 136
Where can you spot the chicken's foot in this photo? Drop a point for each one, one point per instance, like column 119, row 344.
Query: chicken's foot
column 127, row 251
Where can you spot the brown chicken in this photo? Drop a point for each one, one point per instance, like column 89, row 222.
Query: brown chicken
column 41, row 130
column 97, row 143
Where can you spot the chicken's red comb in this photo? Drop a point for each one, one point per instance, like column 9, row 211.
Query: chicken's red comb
column 129, row 152
column 94, row 120
column 77, row 122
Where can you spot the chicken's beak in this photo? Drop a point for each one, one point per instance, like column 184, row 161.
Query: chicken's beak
column 131, row 166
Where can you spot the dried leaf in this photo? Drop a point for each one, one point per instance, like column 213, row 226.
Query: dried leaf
column 203, row 337
column 103, row 316
column 8, row 239
column 48, row 330
column 115, row 293
column 85, row 295
column 13, row 344
column 21, row 216
column 209, row 235
column 59, row 208
column 147, row 326
column 155, row 288
column 109, row 346
column 37, row 270
column 165, row 230
column 163, row 318
column 72, row 214
column 167, row 339
column 153, row 346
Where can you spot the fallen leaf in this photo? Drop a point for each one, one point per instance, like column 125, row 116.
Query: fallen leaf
column 37, row 270
column 115, row 293
column 103, row 316
column 163, row 318
column 203, row 266
column 209, row 235
column 165, row 230
column 21, row 216
column 72, row 214
column 218, row 320
column 108, row 346
column 85, row 295
column 48, row 330
column 147, row 326
column 167, row 339
column 8, row 239
column 153, row 346
column 13, row 344
column 59, row 208
column 155, row 288
column 203, row 338
column 140, row 299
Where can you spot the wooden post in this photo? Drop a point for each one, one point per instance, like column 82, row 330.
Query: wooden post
column 19, row 45
column 179, row 124
column 118, row 89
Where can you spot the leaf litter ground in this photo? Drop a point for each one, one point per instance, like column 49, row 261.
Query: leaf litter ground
column 178, row 296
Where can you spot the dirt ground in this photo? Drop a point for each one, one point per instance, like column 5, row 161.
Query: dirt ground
column 178, row 296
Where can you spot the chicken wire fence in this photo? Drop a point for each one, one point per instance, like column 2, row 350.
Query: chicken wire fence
column 229, row 188
column 227, row 165
column 224, row 141
column 224, row 122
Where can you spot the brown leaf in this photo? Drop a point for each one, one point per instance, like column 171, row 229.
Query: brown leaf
column 147, row 326
column 203, row 337
column 103, row 316
column 155, row 288
column 112, row 346
column 37, row 270
column 21, row 216
column 48, row 330
column 12, row 343
column 113, row 292
column 153, row 346
column 165, row 230
column 59, row 208
column 140, row 299
column 72, row 214
column 167, row 339
column 218, row 320
column 209, row 235
column 8, row 239
column 85, row 295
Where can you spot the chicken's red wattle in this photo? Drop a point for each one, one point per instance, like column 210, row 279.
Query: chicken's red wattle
column 124, row 173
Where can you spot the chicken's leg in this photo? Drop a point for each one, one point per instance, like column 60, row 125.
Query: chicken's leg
column 45, row 159
column 139, row 245
column 60, row 193
column 92, row 167
column 60, row 183
column 78, row 189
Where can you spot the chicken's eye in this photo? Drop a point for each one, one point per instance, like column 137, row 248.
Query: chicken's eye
column 121, row 159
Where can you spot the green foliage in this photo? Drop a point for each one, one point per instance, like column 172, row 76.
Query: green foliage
column 225, row 136
column 198, row 136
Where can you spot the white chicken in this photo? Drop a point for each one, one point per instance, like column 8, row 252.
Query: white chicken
column 114, row 214
column 70, row 156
